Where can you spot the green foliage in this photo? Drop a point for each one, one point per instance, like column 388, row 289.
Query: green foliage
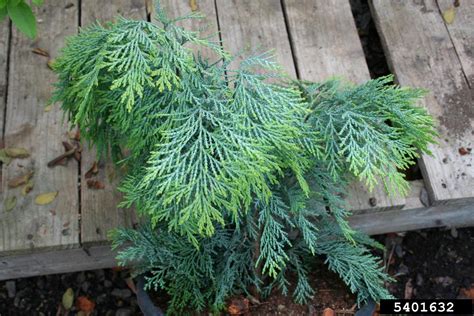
column 238, row 171
column 198, row 133
column 21, row 15
column 372, row 130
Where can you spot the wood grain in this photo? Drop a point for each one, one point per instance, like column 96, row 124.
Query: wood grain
column 420, row 53
column 29, row 226
column 415, row 215
column 4, row 35
column 99, row 211
column 461, row 31
column 102, row 11
column 326, row 44
column 58, row 261
column 207, row 27
column 255, row 27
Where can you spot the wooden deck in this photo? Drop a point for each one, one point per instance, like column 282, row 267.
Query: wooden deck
column 314, row 39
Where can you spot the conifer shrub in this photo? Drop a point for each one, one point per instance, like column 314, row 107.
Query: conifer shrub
column 240, row 173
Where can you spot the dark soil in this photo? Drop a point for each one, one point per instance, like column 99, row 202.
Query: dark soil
column 330, row 293
column 43, row 295
column 432, row 263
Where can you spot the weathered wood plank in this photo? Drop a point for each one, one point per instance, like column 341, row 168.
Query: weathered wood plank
column 421, row 54
column 207, row 26
column 29, row 226
column 325, row 42
column 93, row 11
column 4, row 35
column 60, row 261
column 415, row 216
column 258, row 26
column 99, row 212
column 461, row 31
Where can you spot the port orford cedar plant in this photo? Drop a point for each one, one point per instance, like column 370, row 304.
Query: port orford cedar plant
column 239, row 172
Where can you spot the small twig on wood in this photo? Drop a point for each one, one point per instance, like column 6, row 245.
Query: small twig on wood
column 60, row 158
column 40, row 51
column 387, row 264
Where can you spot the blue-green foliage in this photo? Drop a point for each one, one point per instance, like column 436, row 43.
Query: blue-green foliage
column 373, row 130
column 238, row 171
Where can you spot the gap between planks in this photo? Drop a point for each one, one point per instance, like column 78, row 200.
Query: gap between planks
column 436, row 60
column 29, row 227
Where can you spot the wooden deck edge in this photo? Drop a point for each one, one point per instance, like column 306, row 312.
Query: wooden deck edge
column 59, row 261
column 100, row 257
column 449, row 215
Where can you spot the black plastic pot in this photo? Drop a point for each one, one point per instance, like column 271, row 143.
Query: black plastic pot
column 145, row 303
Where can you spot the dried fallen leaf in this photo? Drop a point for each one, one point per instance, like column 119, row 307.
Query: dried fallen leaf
column 48, row 108
column 110, row 172
column 329, row 312
column 27, row 187
column 61, row 159
column 77, row 156
column 449, row 15
column 40, row 51
column 46, row 198
column 19, row 180
column 75, row 134
column 67, row 146
column 84, row 304
column 238, row 306
column 14, row 152
column 193, row 4
column 95, row 184
column 92, row 170
column 467, row 293
column 150, row 8
column 463, row 151
column 51, row 64
column 4, row 158
column 9, row 203
column 68, row 298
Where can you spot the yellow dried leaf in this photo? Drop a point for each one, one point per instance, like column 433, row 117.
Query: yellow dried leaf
column 50, row 64
column 48, row 108
column 149, row 7
column 449, row 15
column 14, row 152
column 22, row 179
column 46, row 198
column 4, row 158
column 193, row 4
column 27, row 187
column 68, row 298
column 10, row 203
